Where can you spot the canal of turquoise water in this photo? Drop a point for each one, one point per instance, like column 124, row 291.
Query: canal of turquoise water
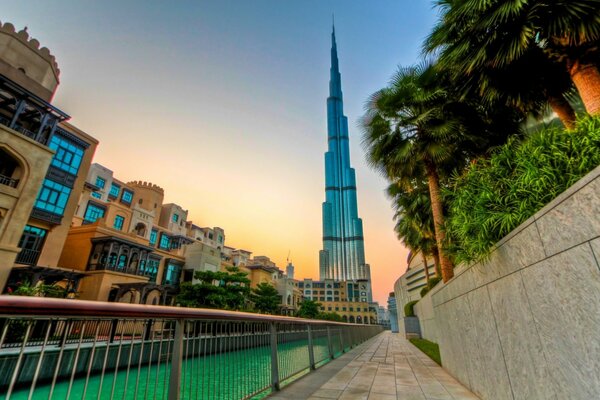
column 227, row 376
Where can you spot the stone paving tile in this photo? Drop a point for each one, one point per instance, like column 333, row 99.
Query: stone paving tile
column 387, row 367
column 327, row 394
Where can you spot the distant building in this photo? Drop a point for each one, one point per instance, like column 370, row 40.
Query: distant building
column 355, row 312
column 44, row 161
column 393, row 312
column 332, row 290
column 343, row 254
column 408, row 286
column 289, row 270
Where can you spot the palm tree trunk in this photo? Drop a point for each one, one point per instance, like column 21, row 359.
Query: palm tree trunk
column 438, row 219
column 436, row 261
column 563, row 109
column 426, row 269
column 586, row 78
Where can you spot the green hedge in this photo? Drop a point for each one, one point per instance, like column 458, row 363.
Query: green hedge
column 496, row 195
column 430, row 348
column 409, row 308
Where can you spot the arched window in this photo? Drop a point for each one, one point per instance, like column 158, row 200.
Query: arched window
column 140, row 229
column 351, row 320
column 112, row 260
column 11, row 170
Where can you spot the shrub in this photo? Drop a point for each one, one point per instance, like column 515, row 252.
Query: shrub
column 430, row 285
column 409, row 308
column 495, row 195
column 434, row 281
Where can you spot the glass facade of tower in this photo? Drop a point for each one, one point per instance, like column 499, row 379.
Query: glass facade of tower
column 343, row 254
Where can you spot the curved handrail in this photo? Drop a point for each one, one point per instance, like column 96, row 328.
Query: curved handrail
column 44, row 306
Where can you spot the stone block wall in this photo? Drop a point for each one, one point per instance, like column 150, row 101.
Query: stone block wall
column 525, row 324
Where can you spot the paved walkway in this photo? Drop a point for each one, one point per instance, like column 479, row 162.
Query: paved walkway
column 388, row 367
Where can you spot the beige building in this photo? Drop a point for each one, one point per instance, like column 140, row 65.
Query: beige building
column 130, row 245
column 351, row 311
column 408, row 286
column 43, row 164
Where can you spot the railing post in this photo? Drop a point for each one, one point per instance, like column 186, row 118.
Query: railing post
column 329, row 343
column 342, row 341
column 311, row 350
column 176, row 360
column 274, row 362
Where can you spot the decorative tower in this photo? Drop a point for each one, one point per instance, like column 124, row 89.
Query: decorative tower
column 343, row 254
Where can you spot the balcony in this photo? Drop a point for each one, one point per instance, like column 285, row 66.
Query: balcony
column 5, row 180
column 146, row 352
column 27, row 113
column 27, row 257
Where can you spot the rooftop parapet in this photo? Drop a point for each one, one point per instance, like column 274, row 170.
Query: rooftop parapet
column 21, row 55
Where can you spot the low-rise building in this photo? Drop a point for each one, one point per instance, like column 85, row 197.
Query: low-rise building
column 130, row 246
column 356, row 312
column 332, row 290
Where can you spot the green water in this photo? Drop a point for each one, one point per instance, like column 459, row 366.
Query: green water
column 233, row 375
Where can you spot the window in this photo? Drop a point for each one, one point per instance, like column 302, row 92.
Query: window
column 93, row 212
column 175, row 218
column 118, row 224
column 31, row 244
column 165, row 242
column 150, row 269
column 127, row 196
column 172, row 274
column 68, row 155
column 53, row 197
column 114, row 190
column 220, row 238
column 97, row 195
column 153, row 235
column 100, row 182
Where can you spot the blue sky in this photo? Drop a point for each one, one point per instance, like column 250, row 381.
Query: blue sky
column 222, row 103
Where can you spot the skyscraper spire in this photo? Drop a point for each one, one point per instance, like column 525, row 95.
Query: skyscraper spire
column 343, row 254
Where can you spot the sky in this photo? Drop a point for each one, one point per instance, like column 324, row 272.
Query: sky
column 223, row 104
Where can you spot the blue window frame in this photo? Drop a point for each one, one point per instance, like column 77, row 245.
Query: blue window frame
column 165, row 242
column 100, row 182
column 97, row 195
column 93, row 212
column 127, row 196
column 153, row 235
column 150, row 269
column 175, row 218
column 53, row 197
column 68, row 155
column 172, row 274
column 118, row 224
column 114, row 190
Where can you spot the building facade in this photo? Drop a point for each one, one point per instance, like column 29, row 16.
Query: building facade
column 129, row 244
column 44, row 161
column 343, row 254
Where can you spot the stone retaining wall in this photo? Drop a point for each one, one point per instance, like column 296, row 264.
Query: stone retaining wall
column 525, row 324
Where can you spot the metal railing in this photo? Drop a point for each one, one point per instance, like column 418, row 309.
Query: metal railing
column 63, row 349
column 8, row 181
column 27, row 257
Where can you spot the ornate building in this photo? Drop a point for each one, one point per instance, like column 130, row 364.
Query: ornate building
column 43, row 165
column 343, row 254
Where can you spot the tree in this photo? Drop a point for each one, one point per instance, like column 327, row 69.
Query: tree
column 330, row 316
column 266, row 299
column 309, row 309
column 534, row 42
column 419, row 130
column 225, row 290
column 414, row 222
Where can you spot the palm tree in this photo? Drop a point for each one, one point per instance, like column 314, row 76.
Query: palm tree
column 414, row 222
column 528, row 39
column 409, row 135
column 418, row 129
